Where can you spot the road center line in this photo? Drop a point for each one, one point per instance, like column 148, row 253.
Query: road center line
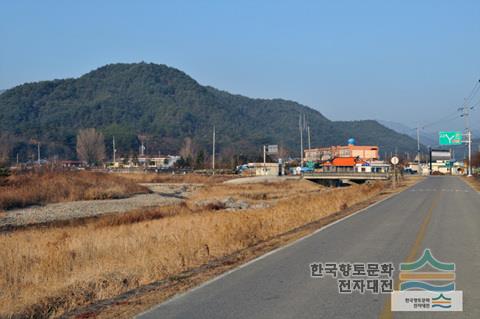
column 386, row 311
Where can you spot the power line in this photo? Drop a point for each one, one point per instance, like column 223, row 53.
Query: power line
column 466, row 114
column 454, row 115
column 472, row 94
column 443, row 119
column 448, row 117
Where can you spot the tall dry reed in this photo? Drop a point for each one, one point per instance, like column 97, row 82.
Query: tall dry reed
column 44, row 272
column 22, row 190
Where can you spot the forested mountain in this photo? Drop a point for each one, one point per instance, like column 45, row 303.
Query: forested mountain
column 164, row 106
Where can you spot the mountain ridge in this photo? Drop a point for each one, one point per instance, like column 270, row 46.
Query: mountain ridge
column 166, row 105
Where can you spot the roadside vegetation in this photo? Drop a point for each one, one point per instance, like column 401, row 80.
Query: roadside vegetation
column 474, row 181
column 25, row 189
column 176, row 178
column 47, row 271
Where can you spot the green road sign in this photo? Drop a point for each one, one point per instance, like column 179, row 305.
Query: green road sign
column 449, row 164
column 450, row 138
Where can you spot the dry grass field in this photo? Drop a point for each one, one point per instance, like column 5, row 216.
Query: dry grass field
column 27, row 189
column 177, row 178
column 45, row 272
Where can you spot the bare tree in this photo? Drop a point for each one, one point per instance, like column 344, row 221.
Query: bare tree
column 6, row 147
column 476, row 159
column 228, row 157
column 283, row 152
column 187, row 150
column 90, row 146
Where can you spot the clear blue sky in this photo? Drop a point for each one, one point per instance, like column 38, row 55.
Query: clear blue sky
column 405, row 61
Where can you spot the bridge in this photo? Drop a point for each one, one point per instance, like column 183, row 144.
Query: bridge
column 335, row 178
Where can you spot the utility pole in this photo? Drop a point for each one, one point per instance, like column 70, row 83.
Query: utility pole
column 469, row 153
column 308, row 132
column 142, row 149
column 301, row 139
column 213, row 152
column 465, row 114
column 265, row 159
column 418, row 147
column 114, row 150
column 394, row 176
column 430, row 159
column 38, row 152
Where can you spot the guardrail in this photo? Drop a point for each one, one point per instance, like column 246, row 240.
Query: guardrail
column 347, row 175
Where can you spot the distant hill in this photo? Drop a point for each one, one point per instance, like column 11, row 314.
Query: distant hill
column 166, row 105
column 426, row 137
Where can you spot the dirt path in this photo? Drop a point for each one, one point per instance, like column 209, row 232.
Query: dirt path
column 163, row 194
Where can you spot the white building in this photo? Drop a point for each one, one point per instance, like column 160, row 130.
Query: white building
column 266, row 169
column 166, row 161
column 372, row 167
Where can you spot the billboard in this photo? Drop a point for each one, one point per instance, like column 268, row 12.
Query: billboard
column 272, row 149
column 450, row 138
column 444, row 155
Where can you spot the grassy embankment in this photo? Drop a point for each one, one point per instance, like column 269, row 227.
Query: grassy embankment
column 474, row 181
column 45, row 272
column 21, row 190
column 175, row 178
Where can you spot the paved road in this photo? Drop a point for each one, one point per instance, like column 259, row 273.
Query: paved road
column 441, row 213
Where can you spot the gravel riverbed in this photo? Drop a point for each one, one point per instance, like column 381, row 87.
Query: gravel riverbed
column 163, row 194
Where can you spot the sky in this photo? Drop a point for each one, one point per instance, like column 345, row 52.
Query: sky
column 412, row 62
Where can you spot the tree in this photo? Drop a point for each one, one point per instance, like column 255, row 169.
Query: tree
column 283, row 152
column 200, row 160
column 228, row 157
column 5, row 150
column 181, row 163
column 476, row 159
column 6, row 147
column 187, row 150
column 123, row 100
column 90, row 146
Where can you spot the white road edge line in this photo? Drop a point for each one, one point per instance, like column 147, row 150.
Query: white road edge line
column 225, row 274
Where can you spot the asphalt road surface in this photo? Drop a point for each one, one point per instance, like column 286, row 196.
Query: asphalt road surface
column 440, row 213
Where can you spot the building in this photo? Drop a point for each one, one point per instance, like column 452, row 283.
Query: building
column 266, row 169
column 372, row 167
column 366, row 153
column 146, row 162
column 71, row 164
column 339, row 165
column 261, row 169
column 166, row 161
column 353, row 165
column 448, row 167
